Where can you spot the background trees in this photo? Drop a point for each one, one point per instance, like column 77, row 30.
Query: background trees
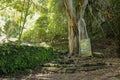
column 45, row 20
column 39, row 20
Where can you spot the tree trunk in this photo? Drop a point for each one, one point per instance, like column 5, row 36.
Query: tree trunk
column 76, row 25
column 26, row 14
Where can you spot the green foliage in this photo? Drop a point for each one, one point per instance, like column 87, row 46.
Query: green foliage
column 50, row 20
column 14, row 57
column 36, row 35
column 11, row 29
column 0, row 31
column 42, row 21
column 101, row 16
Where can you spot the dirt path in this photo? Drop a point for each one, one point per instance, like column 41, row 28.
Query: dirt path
column 73, row 69
column 109, row 70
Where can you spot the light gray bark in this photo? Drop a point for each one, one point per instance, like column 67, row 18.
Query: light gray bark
column 76, row 29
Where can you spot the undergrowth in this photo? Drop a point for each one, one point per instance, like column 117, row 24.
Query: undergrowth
column 15, row 57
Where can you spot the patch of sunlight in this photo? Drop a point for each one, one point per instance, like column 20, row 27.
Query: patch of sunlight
column 51, row 69
column 47, row 30
column 36, row 2
column 2, row 22
column 44, row 44
column 31, row 21
column 3, row 39
column 43, row 76
column 10, row 12
column 49, row 4
column 13, row 39
column 51, row 15
column 28, row 44
column 51, row 64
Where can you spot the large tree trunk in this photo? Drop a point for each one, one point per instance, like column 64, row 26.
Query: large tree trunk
column 76, row 25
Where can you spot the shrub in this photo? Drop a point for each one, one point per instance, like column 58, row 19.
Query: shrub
column 14, row 57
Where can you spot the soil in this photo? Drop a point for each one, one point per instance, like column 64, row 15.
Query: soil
column 74, row 68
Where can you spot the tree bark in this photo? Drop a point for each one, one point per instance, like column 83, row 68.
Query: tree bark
column 76, row 25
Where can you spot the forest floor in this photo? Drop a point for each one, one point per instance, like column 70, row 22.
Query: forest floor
column 73, row 68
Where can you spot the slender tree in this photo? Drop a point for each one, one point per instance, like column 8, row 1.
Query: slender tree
column 26, row 14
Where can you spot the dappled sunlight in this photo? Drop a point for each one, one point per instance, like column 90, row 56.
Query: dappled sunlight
column 43, row 76
column 30, row 23
column 59, row 40
column 3, row 39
